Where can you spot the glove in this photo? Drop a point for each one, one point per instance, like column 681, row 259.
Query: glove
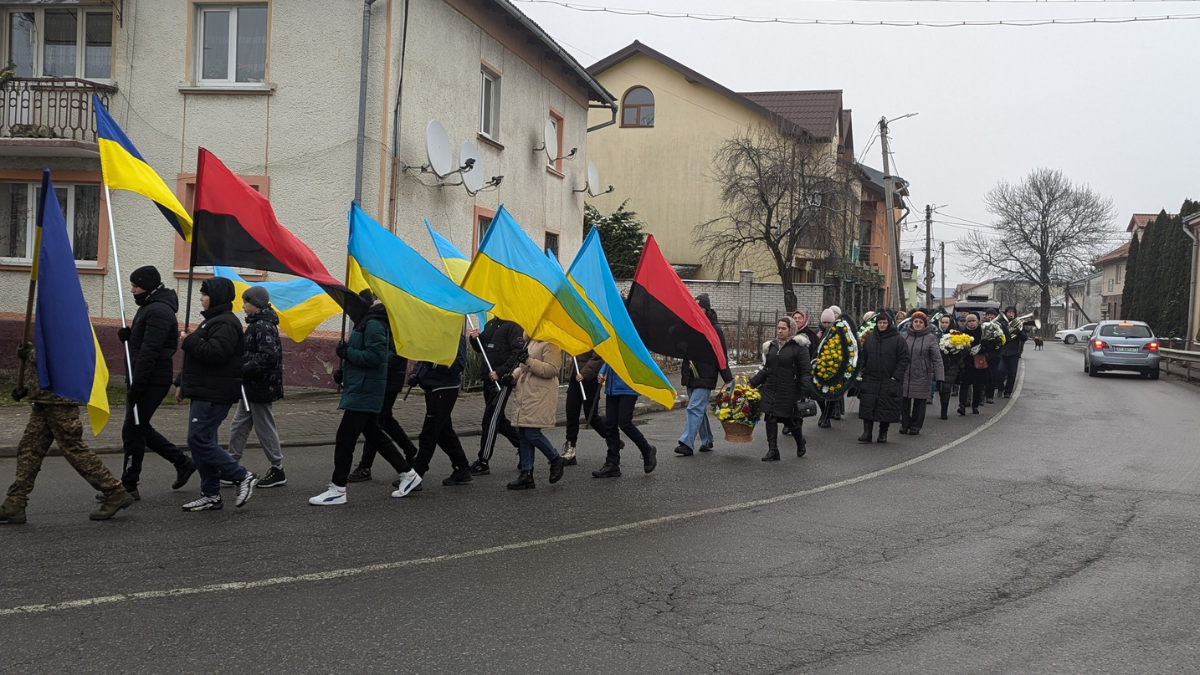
column 337, row 376
column 413, row 381
column 975, row 349
column 523, row 357
column 24, row 350
column 123, row 334
column 133, row 394
column 506, row 380
column 341, row 349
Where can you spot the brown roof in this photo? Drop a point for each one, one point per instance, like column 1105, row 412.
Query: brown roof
column 1116, row 255
column 1141, row 220
column 963, row 288
column 816, row 111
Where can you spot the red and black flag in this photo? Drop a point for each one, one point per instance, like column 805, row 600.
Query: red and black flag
column 667, row 317
column 235, row 226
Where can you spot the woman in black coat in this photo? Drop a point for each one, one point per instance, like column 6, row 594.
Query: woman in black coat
column 970, row 377
column 950, row 364
column 784, row 379
column 885, row 359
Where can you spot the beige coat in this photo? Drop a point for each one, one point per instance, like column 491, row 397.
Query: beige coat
column 535, row 393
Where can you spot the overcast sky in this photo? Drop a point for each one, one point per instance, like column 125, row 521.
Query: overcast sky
column 1109, row 105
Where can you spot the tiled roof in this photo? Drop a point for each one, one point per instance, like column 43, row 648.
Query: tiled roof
column 1117, row 254
column 816, row 111
column 1141, row 220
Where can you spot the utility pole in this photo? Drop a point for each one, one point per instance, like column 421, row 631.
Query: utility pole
column 894, row 295
column 928, row 256
column 942, row 256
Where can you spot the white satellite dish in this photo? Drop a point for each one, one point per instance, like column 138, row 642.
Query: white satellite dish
column 472, row 177
column 550, row 137
column 593, row 180
column 438, row 149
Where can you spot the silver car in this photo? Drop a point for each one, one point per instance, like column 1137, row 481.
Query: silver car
column 1122, row 345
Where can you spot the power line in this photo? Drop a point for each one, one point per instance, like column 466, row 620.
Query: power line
column 1020, row 23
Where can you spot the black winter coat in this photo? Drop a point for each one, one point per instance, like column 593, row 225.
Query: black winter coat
column 704, row 375
column 212, row 355
column 968, row 373
column 397, row 369
column 502, row 344
column 154, row 337
column 262, row 370
column 786, row 376
column 1015, row 343
column 886, row 360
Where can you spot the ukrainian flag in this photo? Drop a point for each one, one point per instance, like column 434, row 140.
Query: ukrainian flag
column 425, row 307
column 124, row 169
column 623, row 351
column 455, row 262
column 69, row 361
column 301, row 304
column 511, row 271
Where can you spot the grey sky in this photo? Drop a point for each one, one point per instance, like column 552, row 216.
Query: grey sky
column 1109, row 105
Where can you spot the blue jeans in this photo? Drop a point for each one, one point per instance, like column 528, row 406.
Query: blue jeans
column 697, row 418
column 530, row 438
column 211, row 460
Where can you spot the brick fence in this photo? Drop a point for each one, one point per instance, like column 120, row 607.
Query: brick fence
column 752, row 300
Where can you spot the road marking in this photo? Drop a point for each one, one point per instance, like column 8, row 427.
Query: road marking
column 516, row 546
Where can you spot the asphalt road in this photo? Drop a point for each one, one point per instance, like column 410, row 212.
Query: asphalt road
column 1061, row 538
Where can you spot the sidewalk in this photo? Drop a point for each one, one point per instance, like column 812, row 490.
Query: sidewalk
column 305, row 418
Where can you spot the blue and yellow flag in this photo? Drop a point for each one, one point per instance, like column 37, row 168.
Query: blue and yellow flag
column 69, row 361
column 623, row 351
column 425, row 307
column 455, row 262
column 511, row 271
column 124, row 169
column 301, row 304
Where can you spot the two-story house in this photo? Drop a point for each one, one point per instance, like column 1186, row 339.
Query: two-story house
column 1113, row 266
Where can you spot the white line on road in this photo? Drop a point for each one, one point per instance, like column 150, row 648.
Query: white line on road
column 516, row 546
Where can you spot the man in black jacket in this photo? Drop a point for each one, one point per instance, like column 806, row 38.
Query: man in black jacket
column 502, row 345
column 995, row 379
column 153, row 339
column 212, row 379
column 700, row 379
column 1010, row 353
column 262, row 380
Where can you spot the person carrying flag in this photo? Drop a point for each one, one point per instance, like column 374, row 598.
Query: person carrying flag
column 618, row 411
column 440, row 384
column 583, row 395
column 502, row 344
column 262, row 381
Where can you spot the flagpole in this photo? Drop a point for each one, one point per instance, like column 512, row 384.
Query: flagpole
column 20, row 391
column 483, row 352
column 579, row 372
column 112, row 236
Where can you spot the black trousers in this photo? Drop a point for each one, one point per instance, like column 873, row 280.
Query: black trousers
column 494, row 420
column 438, row 430
column 355, row 424
column 618, row 417
column 137, row 437
column 391, row 427
column 912, row 413
column 976, row 398
column 995, row 381
column 576, row 404
column 944, row 394
column 1008, row 370
column 794, row 426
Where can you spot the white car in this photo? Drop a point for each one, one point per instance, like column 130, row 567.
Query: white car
column 1074, row 335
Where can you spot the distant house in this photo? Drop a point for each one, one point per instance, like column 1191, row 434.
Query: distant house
column 1112, row 268
column 1192, row 222
column 1084, row 300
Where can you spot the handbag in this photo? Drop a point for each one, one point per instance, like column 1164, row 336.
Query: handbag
column 981, row 362
column 806, row 408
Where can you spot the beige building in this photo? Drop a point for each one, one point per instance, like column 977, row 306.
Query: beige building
column 272, row 88
column 1113, row 266
column 672, row 122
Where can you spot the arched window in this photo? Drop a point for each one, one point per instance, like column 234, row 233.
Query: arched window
column 638, row 108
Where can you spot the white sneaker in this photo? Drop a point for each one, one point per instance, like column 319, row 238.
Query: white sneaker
column 330, row 497
column 408, row 481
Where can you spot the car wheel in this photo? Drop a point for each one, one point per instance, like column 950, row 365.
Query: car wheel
column 1154, row 374
column 1070, row 340
column 1092, row 371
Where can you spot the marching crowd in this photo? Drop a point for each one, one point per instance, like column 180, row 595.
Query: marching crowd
column 903, row 364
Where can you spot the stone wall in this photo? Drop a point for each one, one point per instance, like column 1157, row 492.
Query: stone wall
column 757, row 301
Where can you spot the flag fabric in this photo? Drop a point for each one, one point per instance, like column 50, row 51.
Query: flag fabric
column 511, row 271
column 300, row 304
column 425, row 307
column 235, row 226
column 456, row 264
column 124, row 168
column 666, row 315
column 69, row 361
column 623, row 351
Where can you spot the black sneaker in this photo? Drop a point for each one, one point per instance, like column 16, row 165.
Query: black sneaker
column 650, row 459
column 683, row 450
column 360, row 474
column 479, row 468
column 274, row 478
column 706, row 447
column 459, row 477
column 182, row 475
column 556, row 469
column 608, row 471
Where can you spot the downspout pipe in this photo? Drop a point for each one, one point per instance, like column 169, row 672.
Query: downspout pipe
column 396, row 122
column 1192, row 286
column 611, row 106
column 362, row 101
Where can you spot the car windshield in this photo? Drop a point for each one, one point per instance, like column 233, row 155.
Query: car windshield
column 1126, row 330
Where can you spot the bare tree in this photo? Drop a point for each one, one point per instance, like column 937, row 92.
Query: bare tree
column 780, row 196
column 1047, row 231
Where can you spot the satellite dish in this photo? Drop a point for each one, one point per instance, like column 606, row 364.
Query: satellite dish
column 473, row 177
column 593, row 179
column 438, row 149
column 550, row 136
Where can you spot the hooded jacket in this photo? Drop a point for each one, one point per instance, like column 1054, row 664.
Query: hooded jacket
column 704, row 375
column 786, row 376
column 435, row 376
column 885, row 362
column 364, row 377
column 212, row 354
column 262, row 370
column 154, row 337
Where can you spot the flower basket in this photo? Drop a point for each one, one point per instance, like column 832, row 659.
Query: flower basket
column 736, row 432
column 836, row 362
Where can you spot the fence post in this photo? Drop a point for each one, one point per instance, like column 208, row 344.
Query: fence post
column 739, row 335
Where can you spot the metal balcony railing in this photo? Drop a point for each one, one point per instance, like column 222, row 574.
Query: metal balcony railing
column 50, row 108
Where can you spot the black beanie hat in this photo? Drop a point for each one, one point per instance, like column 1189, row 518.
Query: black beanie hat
column 146, row 278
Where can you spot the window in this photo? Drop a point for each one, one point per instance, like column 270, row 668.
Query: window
column 552, row 242
column 1110, row 285
column 185, row 189
column 1119, row 266
column 489, row 104
column 555, row 164
column 482, row 221
column 638, row 108
column 80, row 206
column 61, row 42
column 1127, row 330
column 231, row 43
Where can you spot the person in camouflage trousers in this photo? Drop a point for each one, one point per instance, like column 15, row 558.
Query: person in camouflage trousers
column 53, row 418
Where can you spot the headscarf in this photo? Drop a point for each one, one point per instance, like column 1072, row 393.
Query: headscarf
column 803, row 322
column 791, row 330
column 891, row 318
column 836, row 310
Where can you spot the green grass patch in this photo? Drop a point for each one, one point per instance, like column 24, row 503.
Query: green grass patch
column 116, row 396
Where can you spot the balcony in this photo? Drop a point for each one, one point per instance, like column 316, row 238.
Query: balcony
column 49, row 116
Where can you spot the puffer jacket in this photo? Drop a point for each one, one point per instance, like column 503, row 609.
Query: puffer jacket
column 364, row 377
column 535, row 390
column 502, row 344
column 212, row 354
column 785, row 377
column 262, row 371
column 154, row 337
column 885, row 360
column 590, row 364
column 614, row 385
column 925, row 362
